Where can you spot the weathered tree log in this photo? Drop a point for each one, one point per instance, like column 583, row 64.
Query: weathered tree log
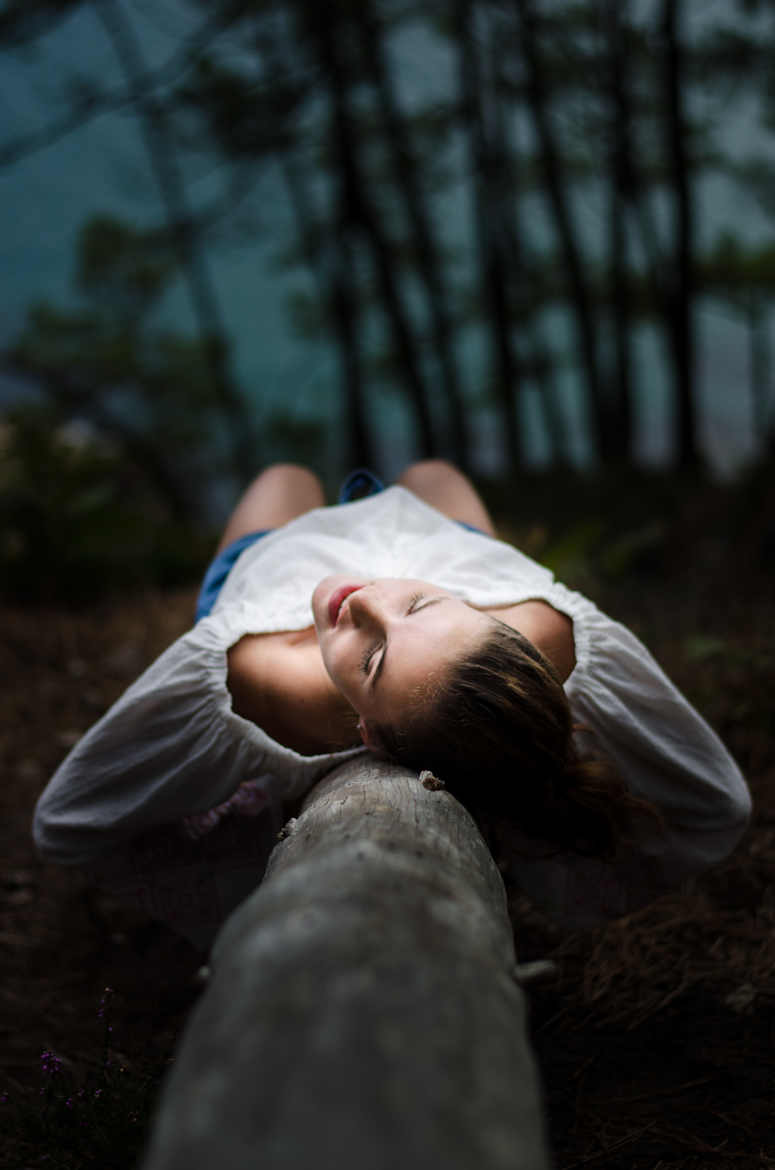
column 363, row 1007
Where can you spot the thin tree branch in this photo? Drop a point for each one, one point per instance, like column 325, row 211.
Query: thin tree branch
column 193, row 263
column 85, row 108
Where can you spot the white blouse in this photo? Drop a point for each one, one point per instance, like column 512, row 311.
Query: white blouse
column 172, row 753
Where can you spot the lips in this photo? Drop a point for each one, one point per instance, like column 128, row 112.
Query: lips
column 337, row 599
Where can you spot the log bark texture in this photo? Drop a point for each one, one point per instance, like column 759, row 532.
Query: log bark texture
column 363, row 1008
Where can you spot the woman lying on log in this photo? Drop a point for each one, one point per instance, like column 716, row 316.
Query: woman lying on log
column 396, row 622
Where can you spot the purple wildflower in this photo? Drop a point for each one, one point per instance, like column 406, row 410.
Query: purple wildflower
column 50, row 1063
column 107, row 995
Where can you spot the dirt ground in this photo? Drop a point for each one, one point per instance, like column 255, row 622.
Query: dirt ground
column 654, row 1037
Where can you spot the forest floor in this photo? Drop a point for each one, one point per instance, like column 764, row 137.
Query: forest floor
column 655, row 1037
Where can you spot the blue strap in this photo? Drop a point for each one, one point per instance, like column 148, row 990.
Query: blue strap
column 360, row 484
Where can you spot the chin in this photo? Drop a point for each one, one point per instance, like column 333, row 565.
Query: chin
column 320, row 596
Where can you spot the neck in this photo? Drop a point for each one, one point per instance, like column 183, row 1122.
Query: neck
column 280, row 684
column 317, row 722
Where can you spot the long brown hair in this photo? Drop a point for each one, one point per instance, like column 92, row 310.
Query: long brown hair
column 498, row 731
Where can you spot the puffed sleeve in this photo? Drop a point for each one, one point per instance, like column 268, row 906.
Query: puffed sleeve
column 171, row 746
column 630, row 713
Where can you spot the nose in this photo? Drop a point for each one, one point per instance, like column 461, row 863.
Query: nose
column 365, row 607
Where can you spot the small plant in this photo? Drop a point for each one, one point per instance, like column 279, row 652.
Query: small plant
column 99, row 1116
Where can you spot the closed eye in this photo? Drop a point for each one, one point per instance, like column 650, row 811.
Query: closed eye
column 367, row 657
column 417, row 602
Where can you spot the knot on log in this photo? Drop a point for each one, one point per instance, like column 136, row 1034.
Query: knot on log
column 431, row 782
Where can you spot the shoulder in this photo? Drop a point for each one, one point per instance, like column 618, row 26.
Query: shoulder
column 262, row 664
column 549, row 629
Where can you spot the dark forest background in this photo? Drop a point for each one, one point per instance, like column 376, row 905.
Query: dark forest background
column 492, row 222
column 124, row 424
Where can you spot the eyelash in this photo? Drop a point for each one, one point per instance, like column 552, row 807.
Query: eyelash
column 414, row 601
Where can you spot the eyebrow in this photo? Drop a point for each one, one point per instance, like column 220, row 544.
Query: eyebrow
column 381, row 664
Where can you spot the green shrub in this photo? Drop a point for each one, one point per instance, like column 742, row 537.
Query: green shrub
column 77, row 519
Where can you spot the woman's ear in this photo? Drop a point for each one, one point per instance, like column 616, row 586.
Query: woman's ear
column 369, row 735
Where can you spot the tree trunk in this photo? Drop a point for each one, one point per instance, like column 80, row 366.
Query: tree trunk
column 363, row 211
column 761, row 365
column 332, row 263
column 543, row 370
column 330, row 258
column 363, row 1008
column 556, row 187
column 428, row 253
column 494, row 277
column 620, row 183
column 681, row 318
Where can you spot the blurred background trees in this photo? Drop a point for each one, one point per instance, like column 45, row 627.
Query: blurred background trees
column 493, row 224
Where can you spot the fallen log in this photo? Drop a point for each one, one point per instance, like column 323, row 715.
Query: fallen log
column 363, row 1007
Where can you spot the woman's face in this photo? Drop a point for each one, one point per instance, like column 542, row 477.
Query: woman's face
column 382, row 640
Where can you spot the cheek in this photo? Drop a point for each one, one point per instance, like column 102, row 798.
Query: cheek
column 328, row 661
column 337, row 659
